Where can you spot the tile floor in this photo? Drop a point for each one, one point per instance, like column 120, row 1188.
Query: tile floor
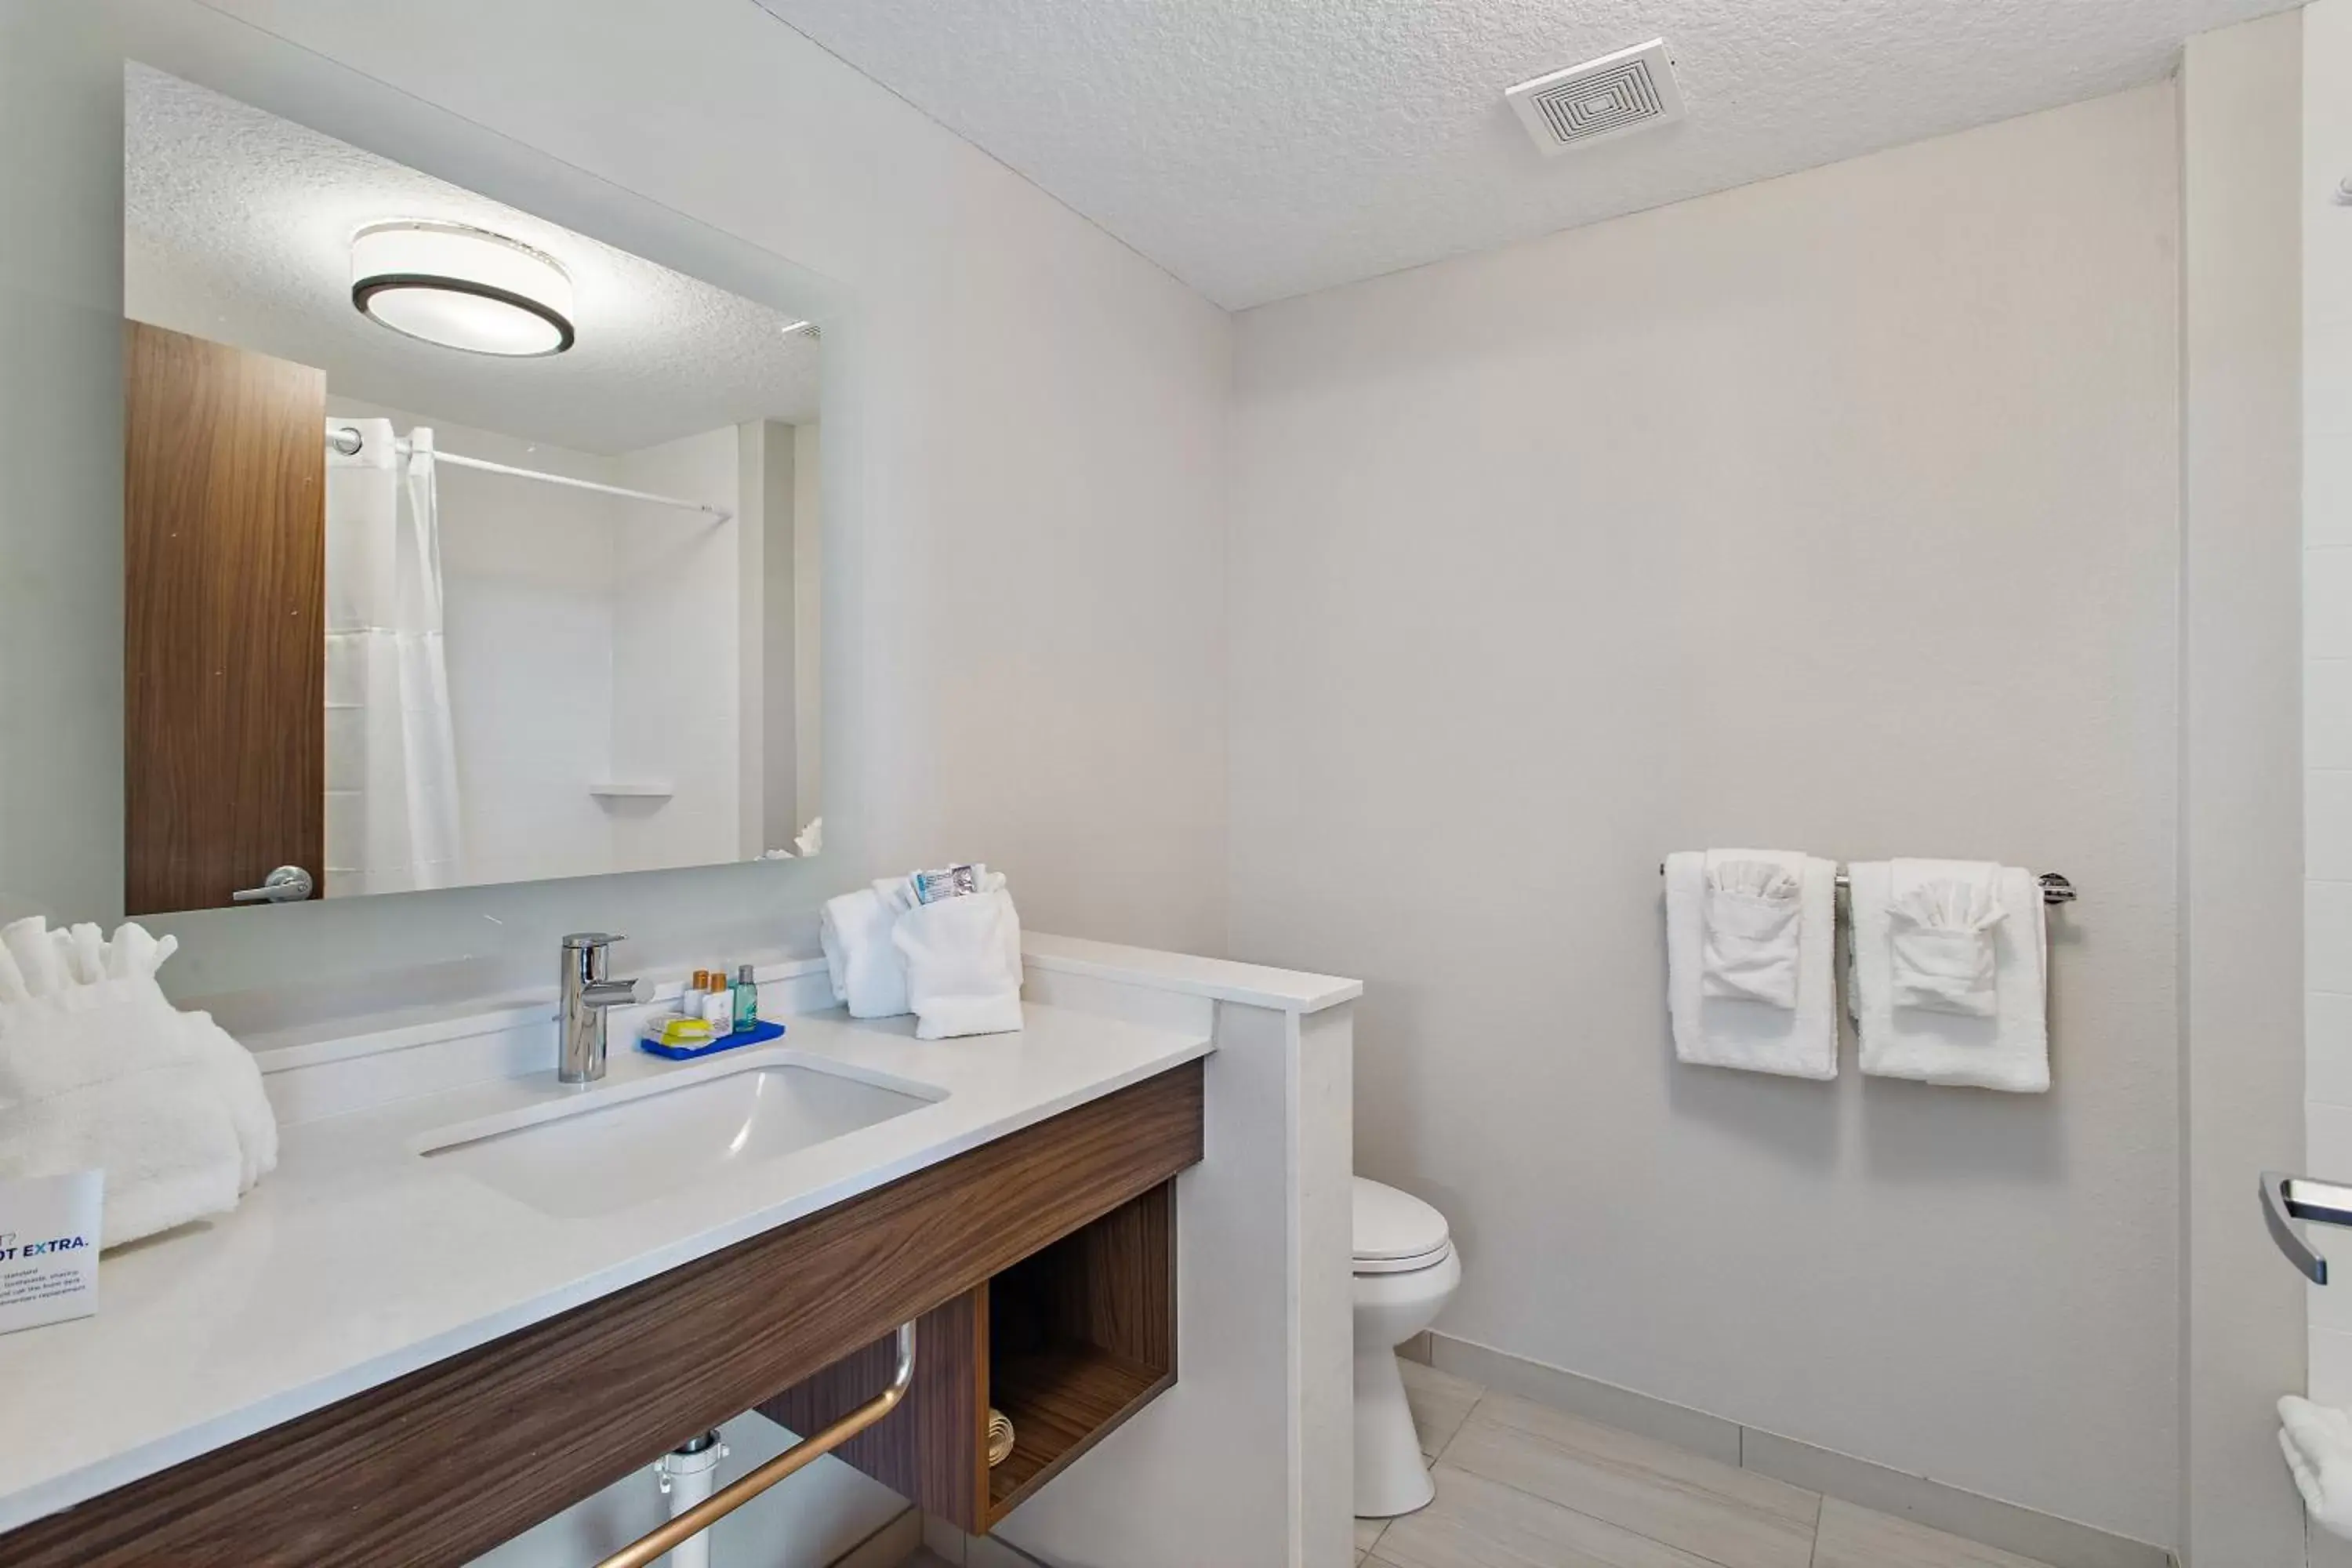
column 1521, row 1486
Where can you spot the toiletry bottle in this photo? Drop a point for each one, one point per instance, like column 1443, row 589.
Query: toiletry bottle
column 697, row 991
column 718, row 1003
column 747, row 1000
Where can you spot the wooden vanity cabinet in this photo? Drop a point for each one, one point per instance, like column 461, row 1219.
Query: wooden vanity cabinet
column 1072, row 1218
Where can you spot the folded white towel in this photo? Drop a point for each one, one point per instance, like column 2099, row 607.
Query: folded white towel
column 1752, row 927
column 866, row 973
column 2009, row 1050
column 2318, row 1443
column 109, row 1075
column 1940, row 929
column 1739, row 1031
column 963, row 965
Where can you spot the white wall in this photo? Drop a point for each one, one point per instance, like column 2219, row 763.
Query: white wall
column 2241, row 844
column 1838, row 511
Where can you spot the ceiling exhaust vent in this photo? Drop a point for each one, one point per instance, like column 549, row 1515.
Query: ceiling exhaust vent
column 1600, row 99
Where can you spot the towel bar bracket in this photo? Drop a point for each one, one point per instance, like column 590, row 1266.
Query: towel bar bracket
column 2286, row 1198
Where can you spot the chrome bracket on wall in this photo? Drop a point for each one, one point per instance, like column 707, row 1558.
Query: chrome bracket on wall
column 728, row 1498
column 2289, row 1198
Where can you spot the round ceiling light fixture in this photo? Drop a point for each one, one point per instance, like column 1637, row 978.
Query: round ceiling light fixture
column 461, row 287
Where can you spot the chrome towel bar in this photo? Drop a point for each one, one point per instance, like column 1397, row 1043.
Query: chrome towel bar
column 728, row 1498
column 2055, row 886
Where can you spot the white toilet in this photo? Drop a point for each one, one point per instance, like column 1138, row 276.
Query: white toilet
column 1405, row 1270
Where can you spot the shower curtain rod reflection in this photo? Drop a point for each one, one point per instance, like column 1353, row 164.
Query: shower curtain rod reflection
column 348, row 441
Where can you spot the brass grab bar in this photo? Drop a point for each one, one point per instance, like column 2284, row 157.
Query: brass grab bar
column 728, row 1498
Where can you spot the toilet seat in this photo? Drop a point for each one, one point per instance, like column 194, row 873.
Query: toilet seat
column 1396, row 1232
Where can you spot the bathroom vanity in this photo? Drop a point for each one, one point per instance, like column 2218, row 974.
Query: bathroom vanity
column 451, row 1313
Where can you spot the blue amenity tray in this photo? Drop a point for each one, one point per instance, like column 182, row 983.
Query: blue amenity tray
column 758, row 1034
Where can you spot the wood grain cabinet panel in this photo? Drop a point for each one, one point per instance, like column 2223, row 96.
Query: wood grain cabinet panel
column 442, row 1464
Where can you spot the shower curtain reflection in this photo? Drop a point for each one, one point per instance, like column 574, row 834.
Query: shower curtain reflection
column 391, row 822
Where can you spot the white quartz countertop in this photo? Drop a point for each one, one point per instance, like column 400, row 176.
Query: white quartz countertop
column 359, row 1260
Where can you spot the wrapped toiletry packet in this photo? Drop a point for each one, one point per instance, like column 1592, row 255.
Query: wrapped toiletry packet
column 48, row 1249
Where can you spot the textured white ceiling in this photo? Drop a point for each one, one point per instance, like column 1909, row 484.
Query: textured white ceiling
column 1262, row 148
column 237, row 225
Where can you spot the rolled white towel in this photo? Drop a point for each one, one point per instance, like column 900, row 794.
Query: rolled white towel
column 866, row 969
column 85, row 953
column 40, row 966
column 238, row 1079
column 963, row 965
column 134, row 952
column 2318, row 1443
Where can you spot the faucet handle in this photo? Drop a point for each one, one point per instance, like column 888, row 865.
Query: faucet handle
column 608, row 993
column 589, row 940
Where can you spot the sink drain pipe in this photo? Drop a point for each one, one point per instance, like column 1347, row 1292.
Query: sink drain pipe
column 688, row 1474
column 689, row 1520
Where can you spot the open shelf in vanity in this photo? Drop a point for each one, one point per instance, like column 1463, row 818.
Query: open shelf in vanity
column 1069, row 1342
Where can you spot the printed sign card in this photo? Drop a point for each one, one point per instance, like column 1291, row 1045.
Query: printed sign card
column 48, row 1249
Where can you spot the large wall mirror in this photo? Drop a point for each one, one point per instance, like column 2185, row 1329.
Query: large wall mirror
column 459, row 548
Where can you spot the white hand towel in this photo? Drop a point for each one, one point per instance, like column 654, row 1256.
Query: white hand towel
column 2007, row 1050
column 2318, row 1443
column 1741, row 1032
column 1752, row 927
column 1940, row 935
column 867, row 972
column 108, row 1076
column 963, row 965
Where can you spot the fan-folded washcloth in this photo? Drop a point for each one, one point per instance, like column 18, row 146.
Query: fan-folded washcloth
column 1940, row 935
column 98, row 1069
column 2008, row 1048
column 2317, row 1442
column 1752, row 927
column 1797, row 1039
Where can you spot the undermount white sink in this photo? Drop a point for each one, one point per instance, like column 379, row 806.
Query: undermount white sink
column 613, row 1147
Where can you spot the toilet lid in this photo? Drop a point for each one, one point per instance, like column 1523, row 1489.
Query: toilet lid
column 1392, row 1224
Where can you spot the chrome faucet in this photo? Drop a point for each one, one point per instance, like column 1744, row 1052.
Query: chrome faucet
column 580, row 1053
